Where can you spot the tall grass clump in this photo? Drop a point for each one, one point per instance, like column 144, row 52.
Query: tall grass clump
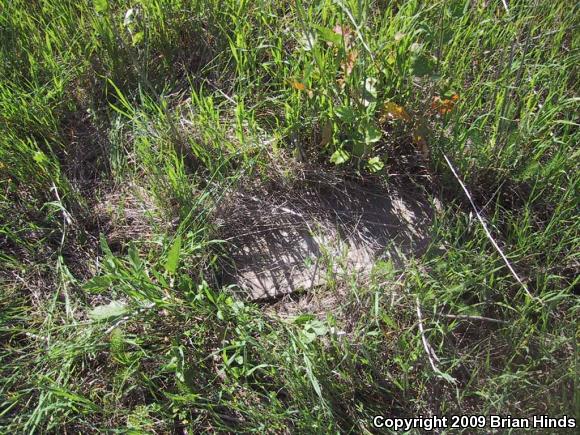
column 125, row 125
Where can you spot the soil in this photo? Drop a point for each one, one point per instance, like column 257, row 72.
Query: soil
column 281, row 244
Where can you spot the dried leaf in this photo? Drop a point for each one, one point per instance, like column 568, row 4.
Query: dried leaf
column 420, row 140
column 394, row 111
column 445, row 105
column 346, row 33
column 348, row 64
column 297, row 85
column 339, row 30
column 326, row 134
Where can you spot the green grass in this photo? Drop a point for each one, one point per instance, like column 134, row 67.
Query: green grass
column 187, row 99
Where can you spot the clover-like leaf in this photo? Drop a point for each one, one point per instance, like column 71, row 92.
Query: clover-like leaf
column 372, row 133
column 339, row 156
column 101, row 5
column 375, row 164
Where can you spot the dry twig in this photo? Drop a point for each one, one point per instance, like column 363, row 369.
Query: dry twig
column 431, row 355
column 468, row 317
column 484, row 225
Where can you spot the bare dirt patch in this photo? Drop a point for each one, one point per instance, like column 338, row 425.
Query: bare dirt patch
column 128, row 213
column 286, row 242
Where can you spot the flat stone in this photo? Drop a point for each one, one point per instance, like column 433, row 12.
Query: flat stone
column 279, row 246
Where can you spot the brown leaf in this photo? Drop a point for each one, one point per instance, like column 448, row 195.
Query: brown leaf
column 444, row 106
column 419, row 138
column 297, row 85
column 346, row 33
column 348, row 64
column 392, row 110
column 326, row 134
